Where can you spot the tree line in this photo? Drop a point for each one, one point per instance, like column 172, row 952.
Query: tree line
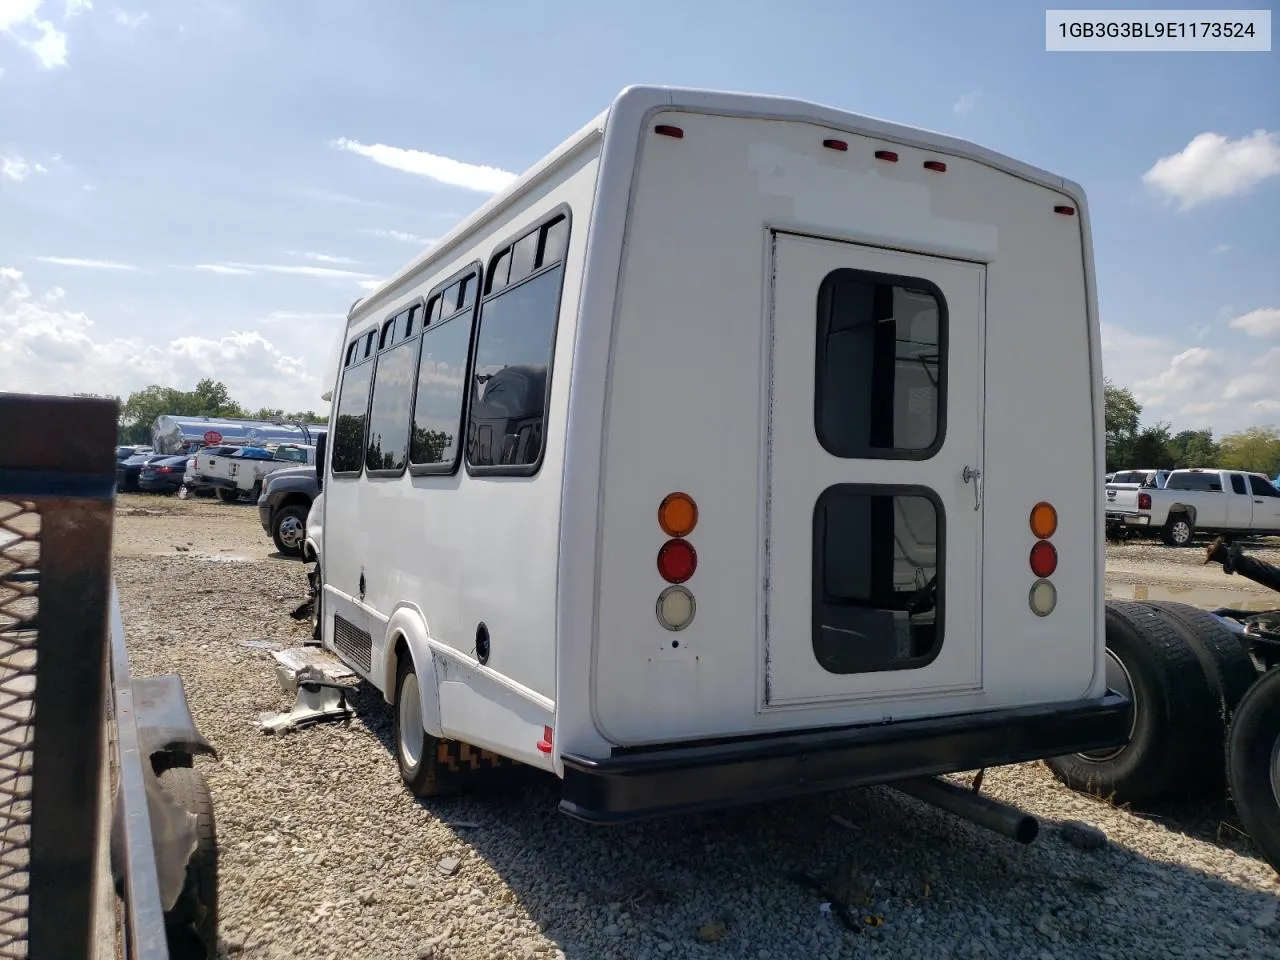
column 1130, row 445
column 209, row 398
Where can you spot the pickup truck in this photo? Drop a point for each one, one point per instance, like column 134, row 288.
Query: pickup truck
column 243, row 471
column 1195, row 501
column 286, row 500
column 1142, row 477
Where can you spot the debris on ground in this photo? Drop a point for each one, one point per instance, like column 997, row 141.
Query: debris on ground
column 1082, row 836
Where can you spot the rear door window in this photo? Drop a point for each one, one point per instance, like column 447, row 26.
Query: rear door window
column 881, row 366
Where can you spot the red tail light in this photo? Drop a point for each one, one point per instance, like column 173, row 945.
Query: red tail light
column 1044, row 559
column 677, row 561
column 1144, row 501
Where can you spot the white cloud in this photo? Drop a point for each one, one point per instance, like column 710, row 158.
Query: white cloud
column 1213, row 167
column 302, row 316
column 455, row 173
column 20, row 21
column 222, row 268
column 966, row 103
column 1221, row 249
column 1264, row 322
column 401, row 236
column 45, row 348
column 89, row 264
column 74, row 7
column 129, row 21
column 322, row 257
column 17, row 169
column 297, row 270
column 370, row 284
column 1192, row 387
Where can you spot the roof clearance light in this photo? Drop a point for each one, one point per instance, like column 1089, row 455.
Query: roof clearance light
column 888, row 155
column 1044, row 559
column 1044, row 520
column 667, row 130
column 1066, row 211
column 936, row 165
column 835, row 145
column 677, row 560
column 677, row 515
column 675, row 608
column 1043, row 598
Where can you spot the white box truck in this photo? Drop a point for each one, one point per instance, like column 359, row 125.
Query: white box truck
column 742, row 448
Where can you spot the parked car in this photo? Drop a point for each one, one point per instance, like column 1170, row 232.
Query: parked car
column 242, row 473
column 287, row 496
column 127, row 450
column 1196, row 501
column 163, row 475
column 128, row 471
column 191, row 481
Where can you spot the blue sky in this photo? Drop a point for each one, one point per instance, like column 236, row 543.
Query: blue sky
column 202, row 187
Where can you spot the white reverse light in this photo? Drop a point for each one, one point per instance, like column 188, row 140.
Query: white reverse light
column 675, row 608
column 1044, row 597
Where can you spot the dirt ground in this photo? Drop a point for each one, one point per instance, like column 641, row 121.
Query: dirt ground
column 204, row 528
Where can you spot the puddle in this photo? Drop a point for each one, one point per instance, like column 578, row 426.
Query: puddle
column 1206, row 598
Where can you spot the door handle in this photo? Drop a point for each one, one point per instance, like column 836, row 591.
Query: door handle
column 974, row 474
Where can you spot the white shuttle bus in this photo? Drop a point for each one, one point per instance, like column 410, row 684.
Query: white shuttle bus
column 741, row 448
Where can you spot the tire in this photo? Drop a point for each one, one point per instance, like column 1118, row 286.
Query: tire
column 1228, row 671
column 289, row 529
column 1172, row 727
column 317, row 611
column 434, row 766
column 255, row 491
column 1178, row 531
column 197, row 907
column 1253, row 765
column 227, row 495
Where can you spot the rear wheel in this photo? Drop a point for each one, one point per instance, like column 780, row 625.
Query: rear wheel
column 434, row 766
column 1253, row 764
column 1179, row 530
column 228, row 495
column 1171, row 724
column 197, row 907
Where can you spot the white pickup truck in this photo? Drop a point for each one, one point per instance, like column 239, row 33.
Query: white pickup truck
column 241, row 473
column 1195, row 501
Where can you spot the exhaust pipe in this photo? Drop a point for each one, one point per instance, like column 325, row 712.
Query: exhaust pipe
column 985, row 812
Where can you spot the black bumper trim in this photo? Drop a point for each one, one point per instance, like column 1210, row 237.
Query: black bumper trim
column 651, row 782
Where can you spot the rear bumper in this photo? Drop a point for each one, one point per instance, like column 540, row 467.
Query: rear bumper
column 638, row 783
column 1129, row 519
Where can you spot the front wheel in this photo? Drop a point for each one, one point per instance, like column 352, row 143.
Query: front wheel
column 289, row 530
column 1253, row 764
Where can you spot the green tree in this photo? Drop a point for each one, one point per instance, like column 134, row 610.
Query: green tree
column 1122, row 413
column 1152, row 447
column 1256, row 450
column 1194, row 448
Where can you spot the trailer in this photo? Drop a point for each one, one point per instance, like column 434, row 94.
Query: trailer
column 176, row 434
column 742, row 448
column 107, row 831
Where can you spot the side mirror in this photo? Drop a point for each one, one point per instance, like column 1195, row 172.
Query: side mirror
column 320, row 451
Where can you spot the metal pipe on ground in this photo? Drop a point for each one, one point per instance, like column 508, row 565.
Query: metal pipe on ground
column 974, row 807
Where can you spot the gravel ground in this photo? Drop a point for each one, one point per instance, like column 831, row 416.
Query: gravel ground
column 324, row 855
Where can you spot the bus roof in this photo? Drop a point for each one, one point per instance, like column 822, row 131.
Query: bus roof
column 635, row 102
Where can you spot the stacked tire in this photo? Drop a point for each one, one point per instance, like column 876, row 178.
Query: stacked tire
column 1253, row 764
column 1186, row 675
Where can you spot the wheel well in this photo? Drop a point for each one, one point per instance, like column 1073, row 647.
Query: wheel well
column 296, row 500
column 1185, row 509
column 399, row 650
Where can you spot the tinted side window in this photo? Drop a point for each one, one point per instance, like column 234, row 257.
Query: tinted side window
column 442, row 377
column 1195, row 481
column 877, row 579
column 1262, row 488
column 348, row 432
column 1237, row 483
column 509, row 382
column 388, row 446
column 880, row 365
